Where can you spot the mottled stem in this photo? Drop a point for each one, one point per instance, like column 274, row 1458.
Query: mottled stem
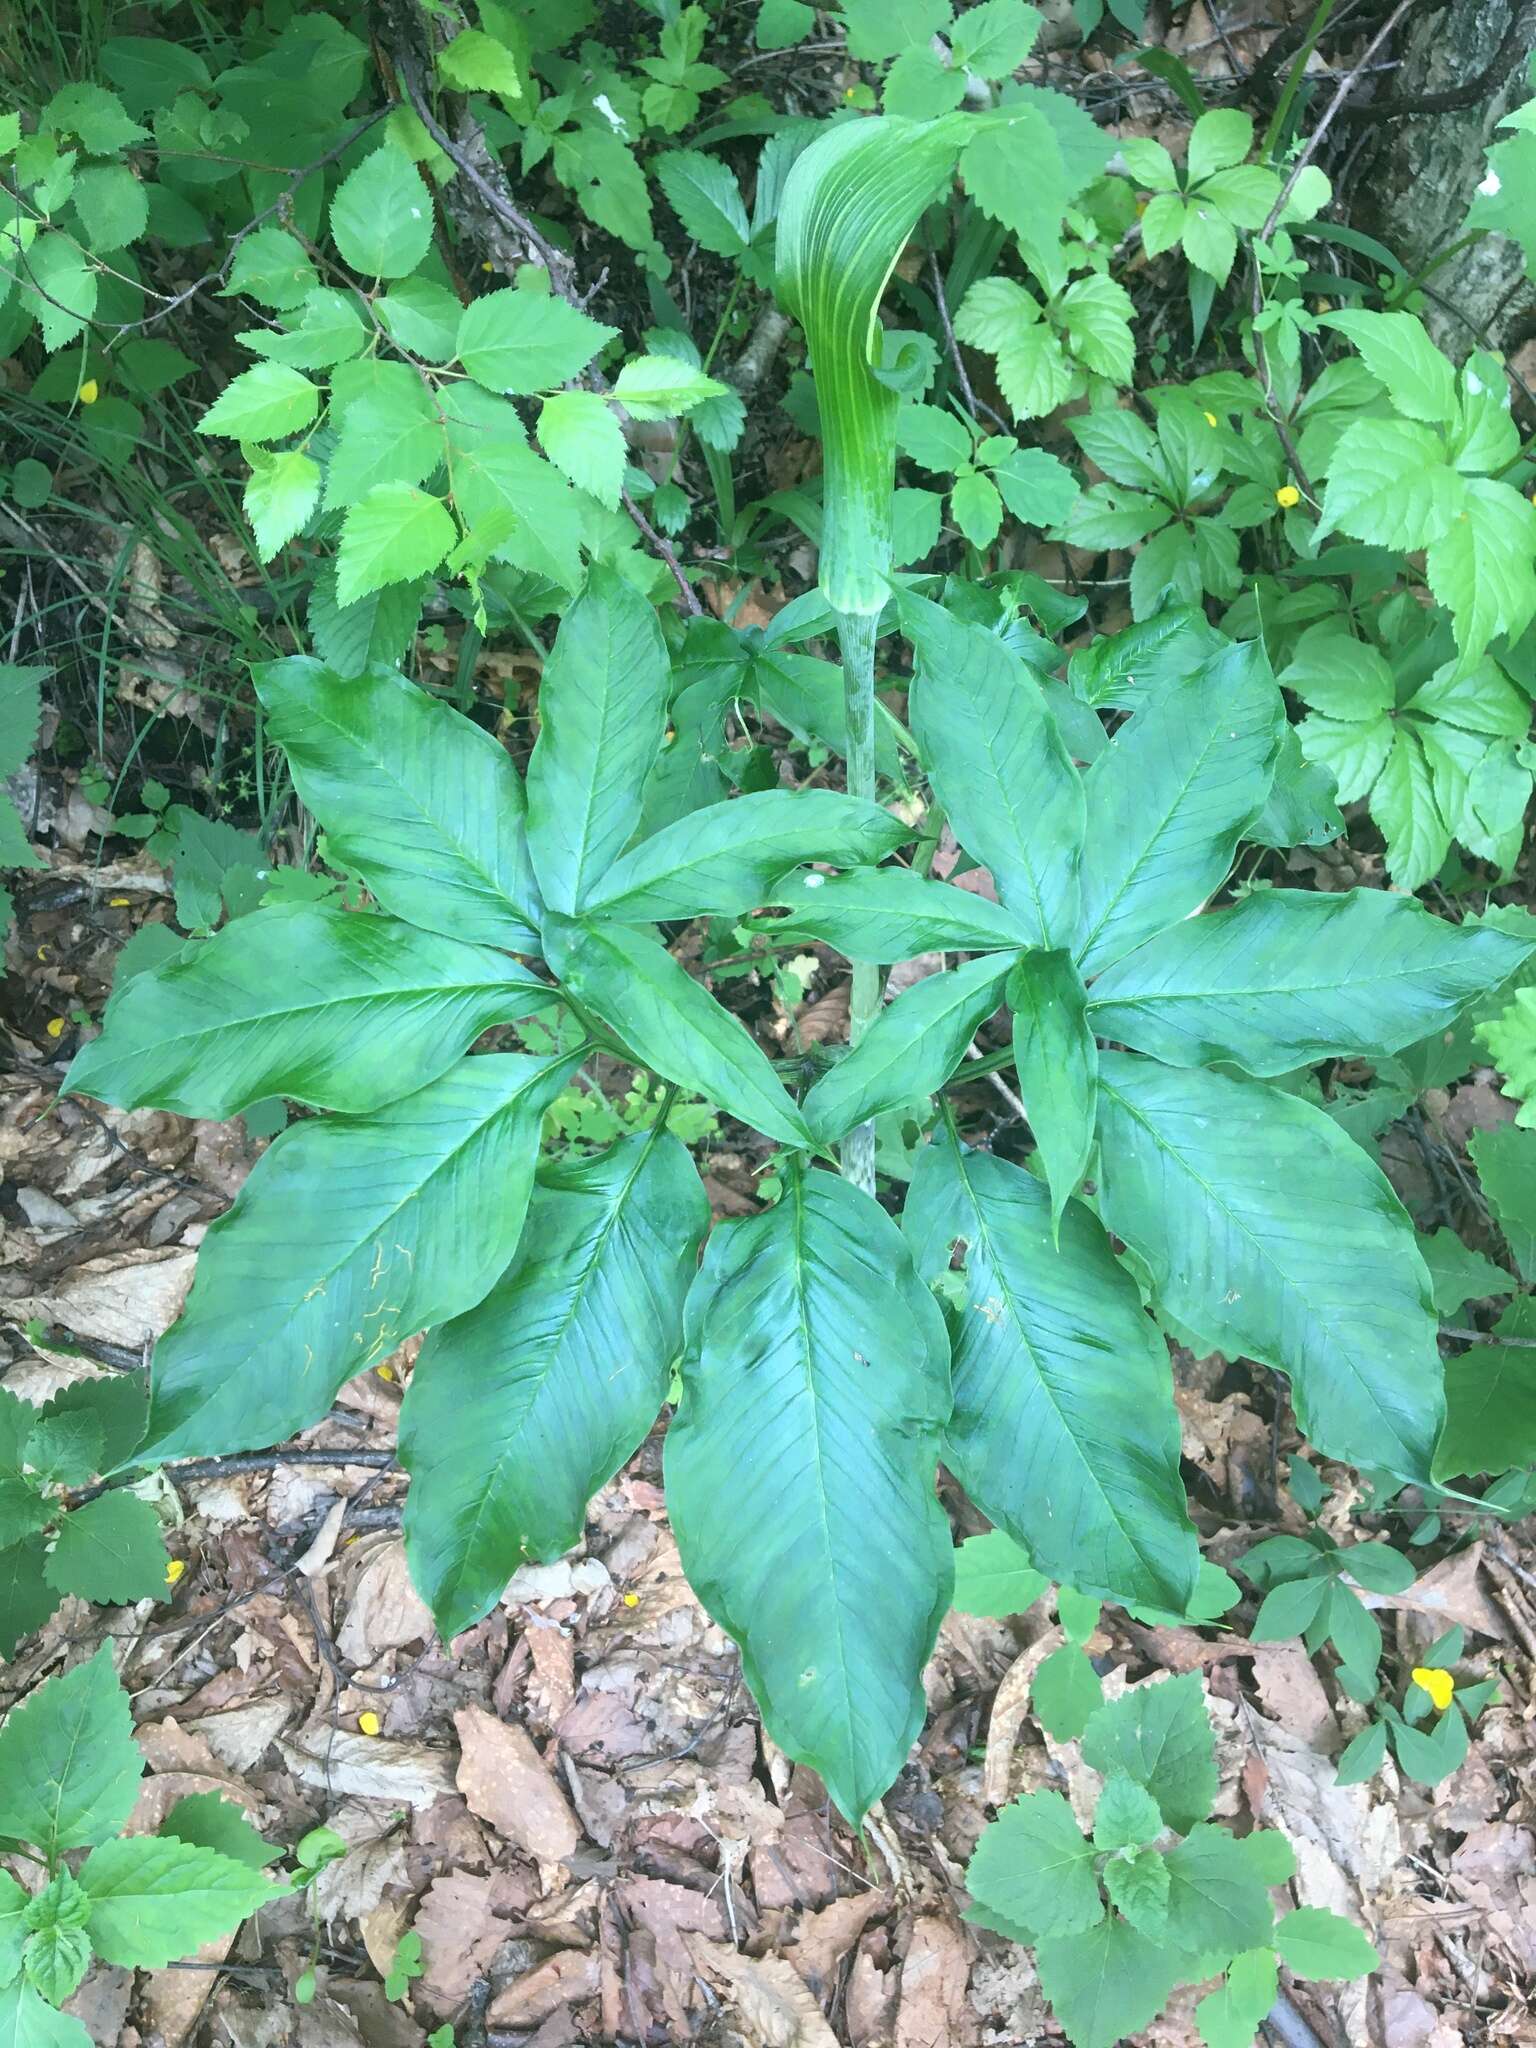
column 857, row 632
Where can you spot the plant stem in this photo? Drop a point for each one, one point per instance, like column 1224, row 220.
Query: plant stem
column 857, row 633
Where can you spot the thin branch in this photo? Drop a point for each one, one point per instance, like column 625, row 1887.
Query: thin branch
column 1313, row 142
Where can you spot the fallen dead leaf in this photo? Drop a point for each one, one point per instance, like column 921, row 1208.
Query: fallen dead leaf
column 337, row 1761
column 932, row 2011
column 769, row 1997
column 506, row 1782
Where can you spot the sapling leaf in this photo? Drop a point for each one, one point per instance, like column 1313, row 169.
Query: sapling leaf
column 1319, row 1945
column 1230, row 2016
column 1138, row 1887
column 1065, row 1693
column 1034, row 1865
column 69, row 1767
column 1159, row 1735
column 154, row 1899
column 993, row 1575
column 1126, row 1816
column 1107, row 1982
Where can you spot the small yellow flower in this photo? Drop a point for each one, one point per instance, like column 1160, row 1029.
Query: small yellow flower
column 55, row 1027
column 385, row 1372
column 369, row 1724
column 1210, row 419
column 1438, row 1684
column 175, row 1570
column 90, row 391
column 487, row 266
column 631, row 1599
column 119, row 902
column 1287, row 495
column 1325, row 305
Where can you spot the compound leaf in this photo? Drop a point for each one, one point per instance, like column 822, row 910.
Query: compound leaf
column 1266, row 1230
column 350, row 1235
column 1289, row 977
column 426, row 807
column 1064, row 1430
column 519, row 1410
column 602, row 711
column 332, row 1008
column 800, row 1475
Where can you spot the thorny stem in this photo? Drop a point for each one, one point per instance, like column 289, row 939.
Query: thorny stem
column 857, row 633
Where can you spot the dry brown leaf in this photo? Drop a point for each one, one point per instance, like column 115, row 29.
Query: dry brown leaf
column 1450, row 1591
column 933, row 2008
column 823, row 1939
column 386, row 1611
column 1009, row 1709
column 336, row 1761
column 767, row 1995
column 506, row 1782
column 568, row 1976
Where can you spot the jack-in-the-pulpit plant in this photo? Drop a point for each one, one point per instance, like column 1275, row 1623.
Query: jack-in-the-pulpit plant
column 821, row 1377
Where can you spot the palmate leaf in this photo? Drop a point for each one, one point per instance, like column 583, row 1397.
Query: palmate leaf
column 1269, row 1233
column 1288, row 977
column 1064, row 1431
column 1169, row 797
column 338, row 1010
column 69, row 1767
column 723, row 859
column 425, row 806
column 349, row 1235
column 911, row 1048
column 671, row 1023
column 519, row 1410
column 888, row 914
column 800, row 1475
column 602, row 711
column 999, row 767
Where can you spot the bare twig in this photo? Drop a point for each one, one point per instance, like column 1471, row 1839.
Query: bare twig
column 1313, row 142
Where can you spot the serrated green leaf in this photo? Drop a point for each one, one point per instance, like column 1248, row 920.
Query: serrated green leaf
column 518, row 1411
column 1218, row 139
column 112, row 205
column 602, row 710
column 69, row 1767
column 13, row 1928
column 96, row 116
column 1323, row 1946
column 999, row 766
column 1389, row 483
column 524, row 341
column 723, row 859
column 54, row 1961
column 24, row 1508
column 1138, row 1888
column 706, row 199
column 65, row 1449
column 1063, row 1431
column 206, row 1820
column 421, row 803
column 659, row 387
column 279, row 498
column 500, row 486
column 1230, row 2016
column 328, row 330
column 110, row 1550
column 476, row 62
column 1034, row 1866
column 910, row 1049
column 1126, row 1816
column 993, row 1575
column 1419, row 379
column 1287, row 978
column 272, row 267
column 391, row 434
column 349, row 1235
column 421, row 316
column 581, row 435
column 336, row 1009
column 1403, row 805
column 1490, row 1401
column 28, row 2021
column 1106, row 1983
column 154, row 1899
column 800, row 1475
column 381, row 215
column 20, row 713
column 1459, row 1274
column 1319, row 1275
column 994, row 37
column 1505, row 1159
column 671, row 1023
column 1159, row 1735
column 1169, row 797
column 262, row 404
column 391, row 535
column 59, row 286
column 1065, row 1693
column 1481, row 569
column 26, row 1598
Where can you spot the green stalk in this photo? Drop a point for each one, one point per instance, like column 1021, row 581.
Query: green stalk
column 1282, row 114
column 857, row 631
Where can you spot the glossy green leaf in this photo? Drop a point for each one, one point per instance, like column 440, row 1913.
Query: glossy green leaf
column 1169, row 797
column 519, row 1410
column 999, row 766
column 335, row 1009
column 425, row 806
column 911, row 1048
column 1064, row 1431
column 154, row 1899
column 671, row 1023
column 849, row 204
column 349, row 1236
column 889, row 914
column 1288, row 977
column 800, row 1475
column 602, row 711
column 1057, row 1063
column 724, row 859
column 1270, row 1235
column 69, row 1766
